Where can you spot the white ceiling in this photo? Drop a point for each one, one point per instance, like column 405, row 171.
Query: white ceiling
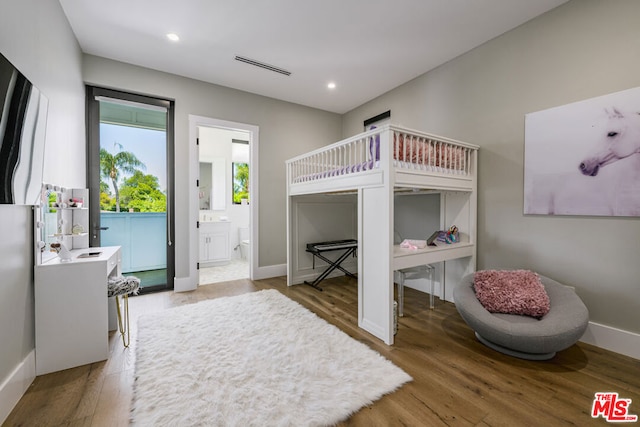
column 367, row 47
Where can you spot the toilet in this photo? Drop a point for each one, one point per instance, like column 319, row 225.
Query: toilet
column 243, row 238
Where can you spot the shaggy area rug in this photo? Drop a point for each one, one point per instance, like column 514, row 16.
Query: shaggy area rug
column 258, row 359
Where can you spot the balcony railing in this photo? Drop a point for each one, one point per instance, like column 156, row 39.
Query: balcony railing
column 142, row 236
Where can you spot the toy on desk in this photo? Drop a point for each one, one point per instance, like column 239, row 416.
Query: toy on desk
column 452, row 235
column 448, row 237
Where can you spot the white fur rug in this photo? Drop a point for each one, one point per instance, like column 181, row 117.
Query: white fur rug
column 258, row 359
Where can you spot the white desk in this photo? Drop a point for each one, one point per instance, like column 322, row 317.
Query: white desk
column 71, row 309
column 406, row 258
column 459, row 259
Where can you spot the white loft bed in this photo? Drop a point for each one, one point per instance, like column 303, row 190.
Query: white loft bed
column 373, row 167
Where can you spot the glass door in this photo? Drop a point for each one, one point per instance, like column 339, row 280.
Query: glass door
column 131, row 182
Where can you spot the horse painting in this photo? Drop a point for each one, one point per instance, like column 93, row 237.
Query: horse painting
column 621, row 140
column 598, row 173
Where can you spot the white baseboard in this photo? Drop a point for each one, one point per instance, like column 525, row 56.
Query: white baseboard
column 16, row 384
column 184, row 284
column 613, row 339
column 270, row 271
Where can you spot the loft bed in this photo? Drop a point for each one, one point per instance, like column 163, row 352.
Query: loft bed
column 359, row 178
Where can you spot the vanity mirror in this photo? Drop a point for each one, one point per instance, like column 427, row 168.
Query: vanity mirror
column 61, row 222
column 46, row 224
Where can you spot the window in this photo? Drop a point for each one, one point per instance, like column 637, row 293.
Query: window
column 240, row 180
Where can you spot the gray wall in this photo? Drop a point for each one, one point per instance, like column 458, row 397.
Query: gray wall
column 36, row 38
column 583, row 49
column 286, row 130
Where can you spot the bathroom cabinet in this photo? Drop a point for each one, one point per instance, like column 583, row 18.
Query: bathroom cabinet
column 214, row 243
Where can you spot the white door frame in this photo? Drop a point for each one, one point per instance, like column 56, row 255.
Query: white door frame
column 194, row 123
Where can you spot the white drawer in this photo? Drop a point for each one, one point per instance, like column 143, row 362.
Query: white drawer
column 113, row 263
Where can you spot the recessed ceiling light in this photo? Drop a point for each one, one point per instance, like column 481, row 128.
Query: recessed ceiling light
column 331, row 85
column 173, row 37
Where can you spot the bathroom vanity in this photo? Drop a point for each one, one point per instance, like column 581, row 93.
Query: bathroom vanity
column 214, row 243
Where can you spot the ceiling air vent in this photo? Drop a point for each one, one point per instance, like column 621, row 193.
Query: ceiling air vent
column 262, row 65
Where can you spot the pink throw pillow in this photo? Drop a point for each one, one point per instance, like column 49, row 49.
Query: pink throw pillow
column 512, row 292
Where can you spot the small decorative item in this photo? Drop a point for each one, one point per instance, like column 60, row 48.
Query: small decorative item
column 450, row 236
column 76, row 202
column 62, row 251
column 64, row 254
column 78, row 229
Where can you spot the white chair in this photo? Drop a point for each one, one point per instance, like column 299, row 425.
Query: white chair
column 420, row 272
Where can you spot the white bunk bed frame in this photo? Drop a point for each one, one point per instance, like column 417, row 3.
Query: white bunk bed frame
column 375, row 165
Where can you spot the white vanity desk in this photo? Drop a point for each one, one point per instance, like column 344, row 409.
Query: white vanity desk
column 71, row 309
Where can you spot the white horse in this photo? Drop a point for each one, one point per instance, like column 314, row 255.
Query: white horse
column 622, row 139
column 615, row 191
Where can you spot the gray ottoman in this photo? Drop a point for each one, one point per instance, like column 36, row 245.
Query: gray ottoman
column 523, row 336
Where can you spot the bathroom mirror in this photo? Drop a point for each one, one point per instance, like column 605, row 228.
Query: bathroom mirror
column 205, row 186
column 213, row 184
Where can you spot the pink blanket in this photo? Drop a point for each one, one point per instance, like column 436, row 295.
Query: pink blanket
column 420, row 151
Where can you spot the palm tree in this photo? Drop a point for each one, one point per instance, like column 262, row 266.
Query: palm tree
column 240, row 182
column 112, row 165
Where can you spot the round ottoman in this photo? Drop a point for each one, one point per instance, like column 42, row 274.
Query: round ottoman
column 523, row 336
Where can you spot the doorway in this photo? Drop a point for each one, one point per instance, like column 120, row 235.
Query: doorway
column 224, row 203
column 130, row 176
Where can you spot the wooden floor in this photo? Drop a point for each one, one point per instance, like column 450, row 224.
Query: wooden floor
column 457, row 381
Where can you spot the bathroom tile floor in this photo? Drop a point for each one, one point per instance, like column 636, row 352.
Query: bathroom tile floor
column 236, row 269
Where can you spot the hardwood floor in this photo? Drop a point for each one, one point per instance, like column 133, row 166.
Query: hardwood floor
column 457, row 380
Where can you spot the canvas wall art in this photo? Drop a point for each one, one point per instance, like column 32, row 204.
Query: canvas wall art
column 23, row 117
column 584, row 158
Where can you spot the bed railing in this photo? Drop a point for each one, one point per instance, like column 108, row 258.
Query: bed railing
column 345, row 157
column 411, row 150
